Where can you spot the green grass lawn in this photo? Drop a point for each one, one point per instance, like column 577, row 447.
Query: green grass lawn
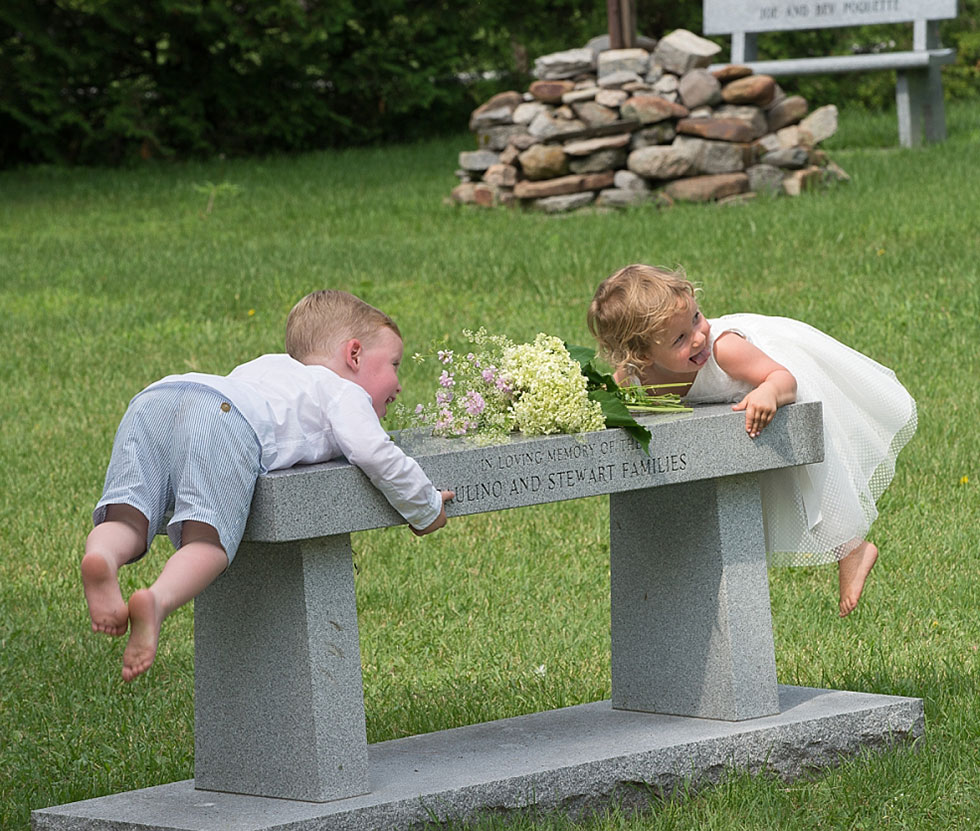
column 112, row 279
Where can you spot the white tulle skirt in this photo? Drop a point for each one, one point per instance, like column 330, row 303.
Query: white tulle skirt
column 818, row 513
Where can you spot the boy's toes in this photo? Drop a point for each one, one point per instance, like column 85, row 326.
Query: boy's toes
column 142, row 646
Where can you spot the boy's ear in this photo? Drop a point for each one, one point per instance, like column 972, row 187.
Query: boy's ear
column 352, row 354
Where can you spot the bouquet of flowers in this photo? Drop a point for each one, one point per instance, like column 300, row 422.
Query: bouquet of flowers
column 538, row 388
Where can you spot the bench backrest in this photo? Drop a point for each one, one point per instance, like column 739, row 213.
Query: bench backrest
column 724, row 17
column 743, row 19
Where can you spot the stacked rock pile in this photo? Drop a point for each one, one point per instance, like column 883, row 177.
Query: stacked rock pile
column 627, row 126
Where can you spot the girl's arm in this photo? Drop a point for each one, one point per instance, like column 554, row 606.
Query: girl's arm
column 773, row 384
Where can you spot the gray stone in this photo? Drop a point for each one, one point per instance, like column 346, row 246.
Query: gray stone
column 573, row 183
column 577, row 759
column 526, row 113
column 611, row 97
column 789, row 137
column 764, row 178
column 496, row 110
column 587, row 146
column 565, row 64
column 768, row 143
column 708, row 188
column 788, row 111
column 650, row 109
column 713, row 156
column 463, row 193
column 546, row 126
column 564, row 202
column 755, row 117
column 699, row 88
column 608, row 159
column 501, row 175
column 631, row 60
column 614, row 80
column 819, row 125
column 682, row 51
column 477, row 160
column 791, row 158
column 655, row 74
column 662, row 161
column 543, row 161
column 628, row 180
column 592, row 113
column 662, row 133
column 583, row 94
column 666, row 83
column 600, row 43
column 796, row 181
column 497, row 138
column 617, row 198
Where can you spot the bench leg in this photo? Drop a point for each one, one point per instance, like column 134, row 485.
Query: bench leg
column 935, row 107
column 691, row 623
column 279, row 705
column 909, row 103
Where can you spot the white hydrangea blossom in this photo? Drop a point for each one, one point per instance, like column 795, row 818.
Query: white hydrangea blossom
column 536, row 388
column 551, row 389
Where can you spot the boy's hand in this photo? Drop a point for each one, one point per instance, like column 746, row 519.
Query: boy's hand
column 439, row 520
column 760, row 406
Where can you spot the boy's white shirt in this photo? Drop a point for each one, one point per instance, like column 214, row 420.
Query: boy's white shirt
column 306, row 414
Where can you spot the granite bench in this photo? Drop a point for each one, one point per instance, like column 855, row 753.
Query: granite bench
column 279, row 708
column 919, row 85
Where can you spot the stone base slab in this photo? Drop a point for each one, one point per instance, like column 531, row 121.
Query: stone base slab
column 569, row 760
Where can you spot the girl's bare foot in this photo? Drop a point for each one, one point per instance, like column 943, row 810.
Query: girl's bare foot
column 852, row 571
column 105, row 604
column 145, row 617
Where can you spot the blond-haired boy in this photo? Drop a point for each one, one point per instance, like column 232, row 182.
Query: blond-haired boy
column 192, row 446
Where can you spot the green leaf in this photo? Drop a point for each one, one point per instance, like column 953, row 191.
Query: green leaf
column 616, row 415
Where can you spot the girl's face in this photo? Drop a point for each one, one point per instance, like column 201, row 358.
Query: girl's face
column 683, row 347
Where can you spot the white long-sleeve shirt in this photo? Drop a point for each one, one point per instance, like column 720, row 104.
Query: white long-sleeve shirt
column 306, row 414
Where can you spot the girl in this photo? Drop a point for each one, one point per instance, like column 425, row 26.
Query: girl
column 649, row 327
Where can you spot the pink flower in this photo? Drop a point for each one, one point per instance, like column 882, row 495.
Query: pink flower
column 473, row 403
column 446, row 380
column 445, row 356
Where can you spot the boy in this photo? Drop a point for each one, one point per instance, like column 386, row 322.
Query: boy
column 194, row 444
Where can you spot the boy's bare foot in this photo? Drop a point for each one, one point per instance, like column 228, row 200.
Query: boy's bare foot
column 145, row 618
column 105, row 604
column 852, row 571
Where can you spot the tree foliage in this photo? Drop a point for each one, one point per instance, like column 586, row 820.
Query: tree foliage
column 106, row 81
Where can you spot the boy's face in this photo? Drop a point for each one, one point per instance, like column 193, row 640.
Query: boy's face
column 377, row 371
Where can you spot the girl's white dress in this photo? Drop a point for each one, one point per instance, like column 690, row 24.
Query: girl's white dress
column 818, row 513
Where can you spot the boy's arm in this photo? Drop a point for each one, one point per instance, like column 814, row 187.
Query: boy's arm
column 773, row 384
column 401, row 480
column 440, row 520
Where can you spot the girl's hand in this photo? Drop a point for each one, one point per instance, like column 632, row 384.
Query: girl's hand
column 760, row 407
column 774, row 385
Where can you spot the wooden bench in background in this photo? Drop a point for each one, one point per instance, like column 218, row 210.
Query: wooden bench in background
column 919, row 86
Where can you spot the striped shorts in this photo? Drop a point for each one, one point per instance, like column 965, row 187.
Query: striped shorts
column 182, row 451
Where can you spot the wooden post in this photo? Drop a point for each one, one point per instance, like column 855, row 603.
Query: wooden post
column 622, row 23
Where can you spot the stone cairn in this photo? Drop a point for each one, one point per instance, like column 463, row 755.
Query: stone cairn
column 625, row 127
